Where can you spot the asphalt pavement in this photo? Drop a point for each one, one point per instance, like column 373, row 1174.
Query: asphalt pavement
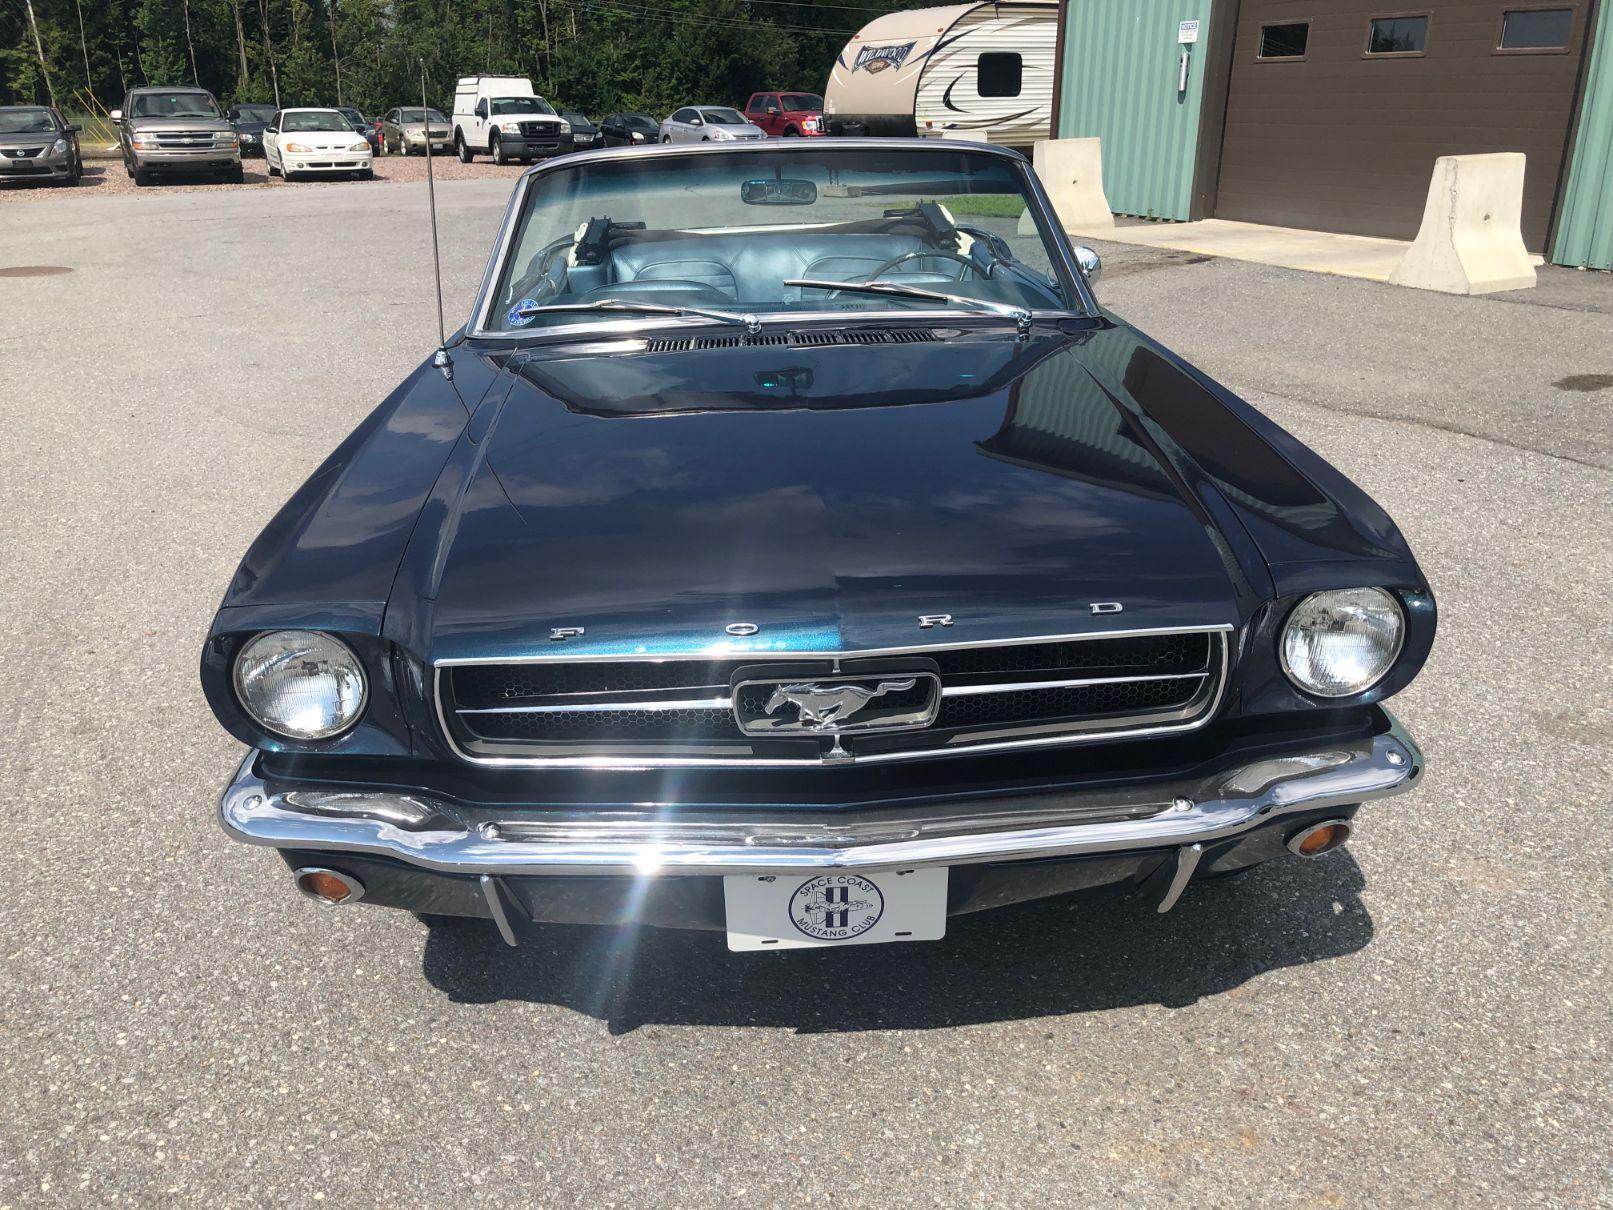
column 1424, row 1015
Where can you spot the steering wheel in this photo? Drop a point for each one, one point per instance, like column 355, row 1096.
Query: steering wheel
column 925, row 254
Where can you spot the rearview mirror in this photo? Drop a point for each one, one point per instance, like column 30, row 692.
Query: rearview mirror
column 785, row 191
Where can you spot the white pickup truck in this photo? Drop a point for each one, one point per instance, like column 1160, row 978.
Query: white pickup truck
column 502, row 117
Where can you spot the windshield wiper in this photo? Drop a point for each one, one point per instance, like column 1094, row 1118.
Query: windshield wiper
column 1020, row 315
column 750, row 323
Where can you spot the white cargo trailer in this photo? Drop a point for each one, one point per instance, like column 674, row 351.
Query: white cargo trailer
column 979, row 70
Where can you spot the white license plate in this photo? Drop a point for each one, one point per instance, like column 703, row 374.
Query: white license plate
column 810, row 909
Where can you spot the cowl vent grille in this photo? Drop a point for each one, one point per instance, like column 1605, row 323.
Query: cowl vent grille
column 796, row 340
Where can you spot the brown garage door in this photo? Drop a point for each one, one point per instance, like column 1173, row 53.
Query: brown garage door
column 1337, row 124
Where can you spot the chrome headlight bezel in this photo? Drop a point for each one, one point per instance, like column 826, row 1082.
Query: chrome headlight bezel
column 343, row 716
column 1380, row 603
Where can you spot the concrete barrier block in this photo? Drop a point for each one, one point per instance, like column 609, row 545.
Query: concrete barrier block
column 1071, row 171
column 1471, row 238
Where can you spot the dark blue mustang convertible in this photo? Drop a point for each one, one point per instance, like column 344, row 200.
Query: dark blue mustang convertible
column 791, row 545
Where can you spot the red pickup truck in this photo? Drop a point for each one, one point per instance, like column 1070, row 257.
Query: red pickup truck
column 786, row 114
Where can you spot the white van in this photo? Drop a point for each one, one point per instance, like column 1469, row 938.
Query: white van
column 502, row 117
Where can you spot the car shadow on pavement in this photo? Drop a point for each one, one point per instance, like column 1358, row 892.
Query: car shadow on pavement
column 1080, row 953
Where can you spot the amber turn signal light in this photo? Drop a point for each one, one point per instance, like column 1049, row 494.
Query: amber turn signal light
column 329, row 886
column 1319, row 838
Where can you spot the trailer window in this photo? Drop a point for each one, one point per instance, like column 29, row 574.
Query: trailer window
column 1001, row 74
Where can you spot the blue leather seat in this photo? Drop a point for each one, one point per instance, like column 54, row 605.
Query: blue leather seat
column 752, row 268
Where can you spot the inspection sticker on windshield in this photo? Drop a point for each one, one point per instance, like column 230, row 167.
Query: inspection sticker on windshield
column 834, row 907
column 514, row 317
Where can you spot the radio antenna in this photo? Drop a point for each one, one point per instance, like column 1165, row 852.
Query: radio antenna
column 441, row 360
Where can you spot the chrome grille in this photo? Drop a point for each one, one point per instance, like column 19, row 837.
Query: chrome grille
column 681, row 710
column 185, row 138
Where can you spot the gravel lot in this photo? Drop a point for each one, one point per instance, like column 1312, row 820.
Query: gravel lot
column 1424, row 1016
column 107, row 178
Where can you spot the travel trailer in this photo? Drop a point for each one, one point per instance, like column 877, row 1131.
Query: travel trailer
column 980, row 71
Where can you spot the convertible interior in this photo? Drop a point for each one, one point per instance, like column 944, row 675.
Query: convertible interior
column 917, row 245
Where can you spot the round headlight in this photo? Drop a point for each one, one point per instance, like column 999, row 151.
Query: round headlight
column 1340, row 643
column 300, row 684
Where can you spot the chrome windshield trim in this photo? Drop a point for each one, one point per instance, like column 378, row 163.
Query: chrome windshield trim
column 1041, row 209
column 1201, row 712
column 638, row 325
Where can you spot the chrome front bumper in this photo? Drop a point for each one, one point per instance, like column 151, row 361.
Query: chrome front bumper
column 434, row 834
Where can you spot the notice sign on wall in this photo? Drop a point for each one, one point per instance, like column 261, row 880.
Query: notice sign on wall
column 1187, row 32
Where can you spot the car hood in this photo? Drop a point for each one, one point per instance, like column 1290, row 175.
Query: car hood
column 30, row 140
column 158, row 125
column 829, row 496
column 246, row 127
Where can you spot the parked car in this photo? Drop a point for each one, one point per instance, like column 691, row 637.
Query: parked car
column 319, row 142
column 708, row 124
column 786, row 114
column 249, row 121
column 176, row 131
column 584, row 134
column 367, row 127
column 38, row 144
column 991, row 598
column 503, row 117
column 629, row 129
column 404, row 130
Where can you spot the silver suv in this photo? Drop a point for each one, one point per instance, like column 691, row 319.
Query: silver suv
column 176, row 130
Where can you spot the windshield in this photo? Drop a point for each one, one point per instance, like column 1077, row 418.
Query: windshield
column 173, row 105
column 500, row 105
column 26, row 121
column 800, row 103
column 730, row 230
column 723, row 117
column 310, row 120
column 421, row 115
column 254, row 113
column 353, row 116
column 639, row 121
column 576, row 119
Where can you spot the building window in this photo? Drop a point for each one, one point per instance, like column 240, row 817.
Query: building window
column 1284, row 41
column 1001, row 74
column 1406, row 35
column 1536, row 29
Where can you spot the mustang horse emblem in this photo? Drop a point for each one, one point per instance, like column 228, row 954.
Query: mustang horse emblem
column 823, row 707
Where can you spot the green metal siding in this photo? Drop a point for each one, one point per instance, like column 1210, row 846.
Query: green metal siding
column 1585, row 228
column 1119, row 76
